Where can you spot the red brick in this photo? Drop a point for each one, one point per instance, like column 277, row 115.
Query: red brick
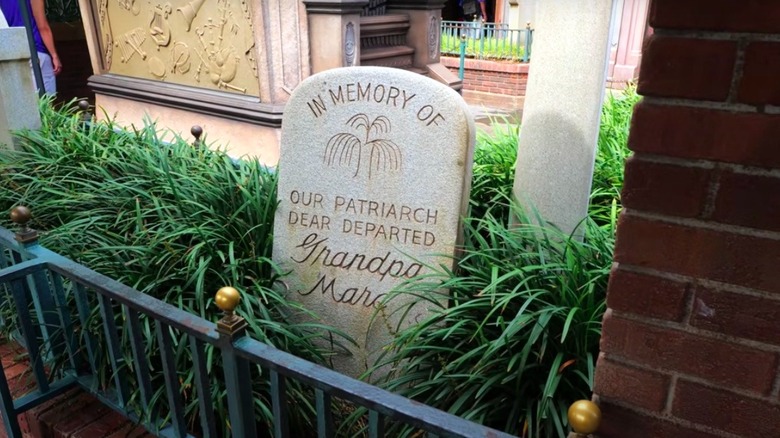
column 701, row 133
column 33, row 416
column 727, row 257
column 63, row 411
column 748, row 200
column 102, row 426
column 717, row 15
column 726, row 411
column 618, row 422
column 131, row 431
column 647, row 295
column 664, row 188
column 675, row 350
column 643, row 388
column 80, row 418
column 737, row 315
column 687, row 68
column 759, row 84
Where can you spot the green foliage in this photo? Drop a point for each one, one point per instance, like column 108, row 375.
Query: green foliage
column 518, row 342
column 501, row 49
column 168, row 219
column 515, row 346
column 612, row 153
column 495, row 156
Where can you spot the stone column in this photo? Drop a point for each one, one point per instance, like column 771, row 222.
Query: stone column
column 18, row 99
column 562, row 108
column 334, row 33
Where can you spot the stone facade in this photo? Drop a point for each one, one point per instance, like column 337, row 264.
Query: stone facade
column 231, row 66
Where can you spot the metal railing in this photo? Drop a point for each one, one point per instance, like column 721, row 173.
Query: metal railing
column 480, row 40
column 56, row 301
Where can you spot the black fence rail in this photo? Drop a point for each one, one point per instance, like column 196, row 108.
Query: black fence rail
column 82, row 329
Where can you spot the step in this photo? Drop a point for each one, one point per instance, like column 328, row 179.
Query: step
column 72, row 414
column 392, row 56
column 384, row 30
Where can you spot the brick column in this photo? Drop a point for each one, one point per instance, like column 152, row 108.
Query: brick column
column 691, row 339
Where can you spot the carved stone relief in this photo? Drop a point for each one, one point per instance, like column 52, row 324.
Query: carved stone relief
column 202, row 43
column 349, row 45
column 433, row 37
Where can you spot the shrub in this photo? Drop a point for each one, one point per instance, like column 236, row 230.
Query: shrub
column 516, row 345
column 519, row 340
column 168, row 219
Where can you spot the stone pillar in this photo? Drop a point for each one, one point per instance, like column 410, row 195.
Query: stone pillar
column 334, row 33
column 18, row 99
column 562, row 108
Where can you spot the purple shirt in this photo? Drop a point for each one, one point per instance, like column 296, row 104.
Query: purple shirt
column 13, row 15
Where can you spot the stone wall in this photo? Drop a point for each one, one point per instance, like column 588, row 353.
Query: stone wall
column 691, row 339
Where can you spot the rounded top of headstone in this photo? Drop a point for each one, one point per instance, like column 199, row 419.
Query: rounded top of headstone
column 584, row 417
column 20, row 215
column 227, row 298
column 196, row 131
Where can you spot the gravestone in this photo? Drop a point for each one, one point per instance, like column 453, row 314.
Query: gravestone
column 18, row 99
column 374, row 177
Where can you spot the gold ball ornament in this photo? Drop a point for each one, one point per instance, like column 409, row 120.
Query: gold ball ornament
column 227, row 298
column 21, row 215
column 584, row 417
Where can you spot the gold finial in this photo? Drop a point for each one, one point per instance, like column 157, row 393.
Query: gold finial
column 584, row 417
column 227, row 299
column 21, row 215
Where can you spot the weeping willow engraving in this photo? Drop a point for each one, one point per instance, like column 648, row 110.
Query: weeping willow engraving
column 348, row 150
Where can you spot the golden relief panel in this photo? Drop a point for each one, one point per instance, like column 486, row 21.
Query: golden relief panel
column 201, row 43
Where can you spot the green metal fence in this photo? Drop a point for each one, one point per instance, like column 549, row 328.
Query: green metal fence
column 56, row 300
column 480, row 40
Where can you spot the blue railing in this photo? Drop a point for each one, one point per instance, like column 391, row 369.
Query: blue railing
column 56, row 301
column 480, row 40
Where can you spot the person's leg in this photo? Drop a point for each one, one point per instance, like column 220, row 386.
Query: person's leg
column 47, row 71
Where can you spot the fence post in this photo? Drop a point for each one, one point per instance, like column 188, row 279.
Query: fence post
column 462, row 67
column 237, row 378
column 38, row 286
column 527, row 51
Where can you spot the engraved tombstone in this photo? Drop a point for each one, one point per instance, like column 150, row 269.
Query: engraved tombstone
column 374, row 176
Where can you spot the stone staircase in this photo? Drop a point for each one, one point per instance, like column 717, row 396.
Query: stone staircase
column 383, row 42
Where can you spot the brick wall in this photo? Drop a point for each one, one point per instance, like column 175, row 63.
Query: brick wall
column 691, row 340
column 495, row 77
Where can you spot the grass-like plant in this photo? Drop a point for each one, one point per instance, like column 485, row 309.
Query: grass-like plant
column 506, row 48
column 518, row 341
column 168, row 219
column 516, row 345
column 612, row 153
